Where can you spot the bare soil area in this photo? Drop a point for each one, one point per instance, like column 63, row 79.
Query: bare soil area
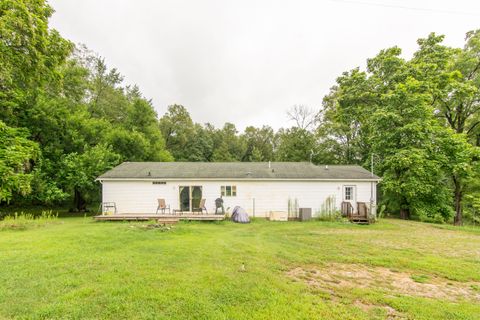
column 339, row 275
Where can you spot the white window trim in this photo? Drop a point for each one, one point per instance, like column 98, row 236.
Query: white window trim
column 354, row 192
column 223, row 190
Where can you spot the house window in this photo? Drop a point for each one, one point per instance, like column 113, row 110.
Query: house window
column 348, row 193
column 228, row 191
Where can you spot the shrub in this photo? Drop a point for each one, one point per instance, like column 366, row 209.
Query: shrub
column 23, row 220
column 328, row 211
column 381, row 213
column 329, row 215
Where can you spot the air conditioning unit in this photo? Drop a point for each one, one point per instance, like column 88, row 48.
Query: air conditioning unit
column 304, row 214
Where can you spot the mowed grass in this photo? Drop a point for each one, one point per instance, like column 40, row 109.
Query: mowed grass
column 77, row 268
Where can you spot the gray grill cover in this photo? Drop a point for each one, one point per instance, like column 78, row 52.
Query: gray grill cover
column 240, row 215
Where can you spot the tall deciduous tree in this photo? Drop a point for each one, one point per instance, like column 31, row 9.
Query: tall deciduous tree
column 343, row 117
column 177, row 129
column 79, row 171
column 372, row 111
column 462, row 165
column 453, row 79
column 404, row 136
column 296, row 144
column 30, row 53
column 227, row 144
column 304, row 117
column 17, row 155
column 260, row 144
column 70, row 102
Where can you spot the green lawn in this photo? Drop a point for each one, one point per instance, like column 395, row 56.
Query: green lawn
column 78, row 268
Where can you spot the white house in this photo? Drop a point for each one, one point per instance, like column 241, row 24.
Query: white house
column 258, row 187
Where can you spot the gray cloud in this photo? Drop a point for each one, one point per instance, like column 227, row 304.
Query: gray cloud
column 247, row 62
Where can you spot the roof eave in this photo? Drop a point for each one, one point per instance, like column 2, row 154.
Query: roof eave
column 374, row 179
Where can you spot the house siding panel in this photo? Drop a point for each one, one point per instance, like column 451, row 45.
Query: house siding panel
column 141, row 196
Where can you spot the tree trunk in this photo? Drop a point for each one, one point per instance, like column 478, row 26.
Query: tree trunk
column 80, row 203
column 458, row 195
column 404, row 213
column 404, row 210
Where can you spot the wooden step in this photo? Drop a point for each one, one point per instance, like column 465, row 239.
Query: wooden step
column 359, row 219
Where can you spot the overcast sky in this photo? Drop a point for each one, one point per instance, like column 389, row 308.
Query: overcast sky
column 247, row 62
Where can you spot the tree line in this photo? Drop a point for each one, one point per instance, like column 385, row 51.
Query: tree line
column 67, row 118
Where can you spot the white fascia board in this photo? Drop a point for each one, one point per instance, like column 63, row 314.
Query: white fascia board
column 232, row 179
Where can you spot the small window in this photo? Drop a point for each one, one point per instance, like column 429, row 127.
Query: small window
column 348, row 193
column 228, row 191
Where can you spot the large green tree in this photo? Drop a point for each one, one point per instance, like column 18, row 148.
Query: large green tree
column 343, row 117
column 30, row 54
column 371, row 112
column 79, row 171
column 260, row 144
column 68, row 106
column 404, row 136
column 453, row 79
column 177, row 127
column 17, row 157
column 227, row 144
column 296, row 144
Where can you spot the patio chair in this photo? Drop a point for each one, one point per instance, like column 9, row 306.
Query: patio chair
column 162, row 206
column 219, row 206
column 201, row 207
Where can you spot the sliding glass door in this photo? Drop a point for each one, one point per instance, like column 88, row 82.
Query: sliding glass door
column 184, row 198
column 196, row 196
column 190, row 197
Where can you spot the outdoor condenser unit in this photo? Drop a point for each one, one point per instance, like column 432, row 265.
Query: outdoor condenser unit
column 305, row 214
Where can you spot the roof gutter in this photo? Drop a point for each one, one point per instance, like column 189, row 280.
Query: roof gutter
column 239, row 179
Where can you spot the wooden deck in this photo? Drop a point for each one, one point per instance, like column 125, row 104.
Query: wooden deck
column 165, row 218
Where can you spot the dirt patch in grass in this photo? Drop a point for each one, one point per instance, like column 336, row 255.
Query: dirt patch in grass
column 154, row 226
column 339, row 275
column 390, row 313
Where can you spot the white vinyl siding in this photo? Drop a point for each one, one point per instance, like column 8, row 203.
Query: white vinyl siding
column 141, row 196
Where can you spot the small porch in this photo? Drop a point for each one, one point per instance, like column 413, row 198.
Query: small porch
column 362, row 215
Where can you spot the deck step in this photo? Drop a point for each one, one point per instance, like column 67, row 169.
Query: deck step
column 359, row 219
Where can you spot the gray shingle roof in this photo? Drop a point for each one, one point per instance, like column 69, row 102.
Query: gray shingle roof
column 234, row 170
